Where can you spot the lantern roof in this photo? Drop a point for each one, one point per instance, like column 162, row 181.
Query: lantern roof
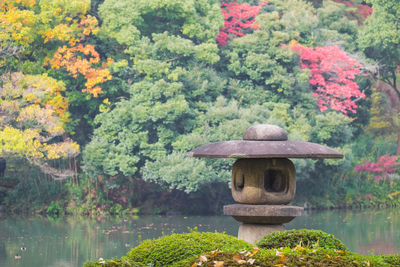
column 264, row 141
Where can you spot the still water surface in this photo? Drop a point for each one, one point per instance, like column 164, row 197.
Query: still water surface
column 72, row 241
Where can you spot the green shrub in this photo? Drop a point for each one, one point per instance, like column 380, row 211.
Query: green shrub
column 54, row 209
column 173, row 249
column 303, row 237
column 116, row 209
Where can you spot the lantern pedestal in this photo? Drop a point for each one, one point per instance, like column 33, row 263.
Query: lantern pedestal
column 259, row 220
column 253, row 233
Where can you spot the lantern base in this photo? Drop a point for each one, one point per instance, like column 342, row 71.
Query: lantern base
column 253, row 233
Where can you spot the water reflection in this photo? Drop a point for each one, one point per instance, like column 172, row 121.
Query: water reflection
column 72, row 241
column 367, row 232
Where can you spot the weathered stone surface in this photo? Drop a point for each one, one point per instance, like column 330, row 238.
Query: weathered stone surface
column 253, row 233
column 263, row 214
column 264, row 149
column 265, row 132
column 263, row 181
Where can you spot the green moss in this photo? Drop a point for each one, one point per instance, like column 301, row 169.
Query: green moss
column 290, row 257
column 113, row 263
column 171, row 249
column 393, row 260
column 289, row 248
column 303, row 237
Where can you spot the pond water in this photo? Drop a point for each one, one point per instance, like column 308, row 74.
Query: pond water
column 69, row 241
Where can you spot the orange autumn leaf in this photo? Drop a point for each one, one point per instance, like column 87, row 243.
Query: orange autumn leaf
column 237, row 257
column 282, row 257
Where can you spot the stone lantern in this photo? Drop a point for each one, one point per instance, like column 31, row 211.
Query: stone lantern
column 263, row 178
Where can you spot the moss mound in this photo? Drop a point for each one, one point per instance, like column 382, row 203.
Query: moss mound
column 168, row 250
column 303, row 238
column 289, row 248
column 175, row 249
column 289, row 257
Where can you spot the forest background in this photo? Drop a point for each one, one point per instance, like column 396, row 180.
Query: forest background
column 101, row 100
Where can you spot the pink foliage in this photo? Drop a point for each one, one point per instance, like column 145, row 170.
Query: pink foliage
column 237, row 17
column 332, row 76
column 383, row 167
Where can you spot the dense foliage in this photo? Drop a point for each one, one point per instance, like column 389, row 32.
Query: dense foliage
column 133, row 85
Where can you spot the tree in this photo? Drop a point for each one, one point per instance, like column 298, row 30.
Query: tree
column 384, row 167
column 380, row 41
column 359, row 10
column 170, row 45
column 332, row 77
column 33, row 114
column 37, row 39
column 238, row 17
column 51, row 32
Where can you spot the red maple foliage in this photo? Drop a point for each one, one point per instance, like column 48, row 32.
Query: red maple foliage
column 362, row 11
column 237, row 18
column 384, row 167
column 332, row 77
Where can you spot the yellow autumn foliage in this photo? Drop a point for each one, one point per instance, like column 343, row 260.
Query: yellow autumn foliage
column 33, row 112
column 26, row 23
